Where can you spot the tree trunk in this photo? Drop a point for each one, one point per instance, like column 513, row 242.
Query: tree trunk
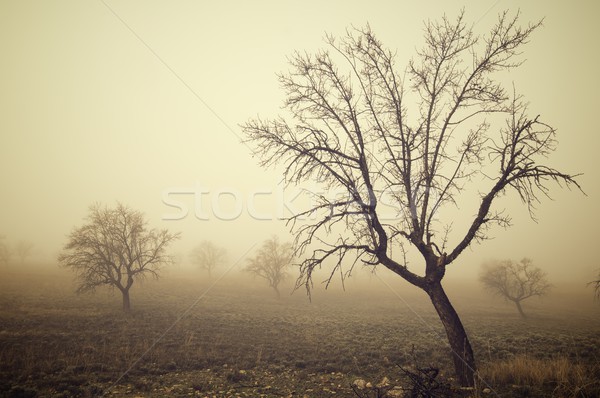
column 462, row 353
column 277, row 292
column 518, row 304
column 126, row 301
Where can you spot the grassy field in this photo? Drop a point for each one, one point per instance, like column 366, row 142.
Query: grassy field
column 239, row 340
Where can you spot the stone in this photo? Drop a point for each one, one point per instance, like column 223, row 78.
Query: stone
column 384, row 382
column 360, row 384
column 395, row 392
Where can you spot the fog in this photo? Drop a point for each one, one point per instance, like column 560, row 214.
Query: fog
column 140, row 102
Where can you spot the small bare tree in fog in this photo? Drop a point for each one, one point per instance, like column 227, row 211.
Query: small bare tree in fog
column 24, row 250
column 515, row 281
column 5, row 252
column 271, row 262
column 207, row 256
column 115, row 248
column 412, row 141
column 596, row 285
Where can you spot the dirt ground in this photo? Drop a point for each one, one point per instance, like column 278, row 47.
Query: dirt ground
column 236, row 339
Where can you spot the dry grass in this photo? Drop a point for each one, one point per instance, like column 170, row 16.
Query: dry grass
column 568, row 378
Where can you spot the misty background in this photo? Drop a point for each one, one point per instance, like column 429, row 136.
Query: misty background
column 140, row 102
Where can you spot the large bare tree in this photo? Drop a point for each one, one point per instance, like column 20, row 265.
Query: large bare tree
column 207, row 256
column 271, row 262
column 115, row 248
column 419, row 139
column 515, row 281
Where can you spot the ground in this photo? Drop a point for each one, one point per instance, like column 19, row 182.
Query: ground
column 236, row 339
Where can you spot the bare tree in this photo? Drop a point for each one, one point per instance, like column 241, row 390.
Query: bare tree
column 350, row 129
column 207, row 256
column 5, row 252
column 515, row 281
column 24, row 249
column 271, row 262
column 115, row 248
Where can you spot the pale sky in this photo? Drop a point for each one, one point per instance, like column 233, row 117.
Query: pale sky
column 105, row 101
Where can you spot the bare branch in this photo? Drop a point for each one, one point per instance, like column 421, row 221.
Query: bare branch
column 114, row 248
column 349, row 130
column 271, row 262
column 515, row 281
column 207, row 256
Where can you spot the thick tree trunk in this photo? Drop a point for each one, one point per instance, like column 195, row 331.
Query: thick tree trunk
column 126, row 301
column 462, row 353
column 518, row 304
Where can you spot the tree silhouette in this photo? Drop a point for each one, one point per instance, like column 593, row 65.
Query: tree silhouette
column 515, row 281
column 115, row 248
column 413, row 140
column 271, row 262
column 23, row 250
column 206, row 255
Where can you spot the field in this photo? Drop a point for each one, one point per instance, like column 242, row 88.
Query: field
column 184, row 338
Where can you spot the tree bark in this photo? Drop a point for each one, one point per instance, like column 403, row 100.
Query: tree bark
column 518, row 304
column 462, row 352
column 126, row 301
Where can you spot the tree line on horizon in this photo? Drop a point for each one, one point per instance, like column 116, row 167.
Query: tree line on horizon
column 115, row 247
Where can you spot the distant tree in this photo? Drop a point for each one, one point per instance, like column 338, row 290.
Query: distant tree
column 5, row 251
column 515, row 281
column 115, row 248
column 207, row 256
column 596, row 284
column 417, row 140
column 271, row 262
column 23, row 250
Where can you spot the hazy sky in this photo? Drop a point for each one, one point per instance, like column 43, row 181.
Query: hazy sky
column 146, row 99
